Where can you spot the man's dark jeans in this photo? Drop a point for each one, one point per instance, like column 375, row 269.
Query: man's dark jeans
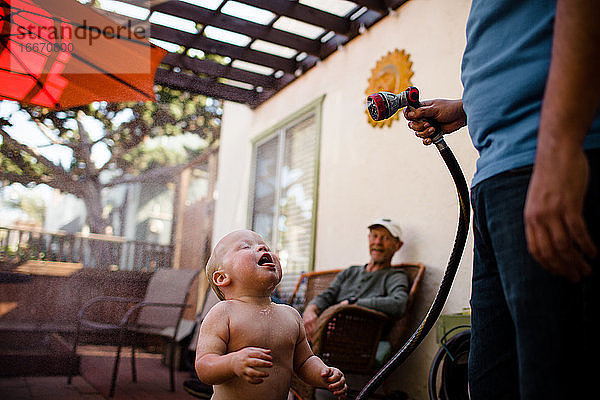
column 531, row 330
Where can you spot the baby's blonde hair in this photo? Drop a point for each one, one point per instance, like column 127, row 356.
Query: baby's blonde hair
column 213, row 265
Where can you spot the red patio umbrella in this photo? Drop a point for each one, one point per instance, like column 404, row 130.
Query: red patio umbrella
column 60, row 54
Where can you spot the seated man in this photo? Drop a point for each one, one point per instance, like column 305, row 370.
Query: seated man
column 374, row 285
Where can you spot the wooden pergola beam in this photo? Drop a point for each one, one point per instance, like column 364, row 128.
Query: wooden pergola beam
column 212, row 46
column 205, row 86
column 215, row 70
column 254, row 30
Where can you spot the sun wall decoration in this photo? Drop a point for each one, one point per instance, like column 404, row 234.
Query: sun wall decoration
column 392, row 73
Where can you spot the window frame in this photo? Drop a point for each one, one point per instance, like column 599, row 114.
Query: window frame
column 314, row 108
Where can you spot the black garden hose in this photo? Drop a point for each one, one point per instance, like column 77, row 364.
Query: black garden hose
column 459, row 244
column 452, row 355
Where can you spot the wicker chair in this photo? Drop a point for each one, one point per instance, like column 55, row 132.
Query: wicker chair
column 347, row 336
column 158, row 315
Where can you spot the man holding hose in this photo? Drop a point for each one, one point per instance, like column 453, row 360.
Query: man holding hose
column 531, row 76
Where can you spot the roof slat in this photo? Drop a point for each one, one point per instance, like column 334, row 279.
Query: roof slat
column 214, row 69
column 205, row 86
column 202, row 75
column 309, row 15
column 221, row 48
column 213, row 18
column 375, row 5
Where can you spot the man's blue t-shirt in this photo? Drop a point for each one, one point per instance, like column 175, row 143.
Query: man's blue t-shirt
column 504, row 72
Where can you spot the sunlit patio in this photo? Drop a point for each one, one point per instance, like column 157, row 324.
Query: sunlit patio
column 94, row 381
column 40, row 301
column 250, row 84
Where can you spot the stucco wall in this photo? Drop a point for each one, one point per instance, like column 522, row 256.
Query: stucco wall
column 368, row 172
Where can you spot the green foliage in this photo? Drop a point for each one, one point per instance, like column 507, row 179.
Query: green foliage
column 12, row 159
column 32, row 205
column 133, row 137
column 126, row 132
column 164, row 150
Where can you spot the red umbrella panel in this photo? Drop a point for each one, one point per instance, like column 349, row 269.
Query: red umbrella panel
column 60, row 54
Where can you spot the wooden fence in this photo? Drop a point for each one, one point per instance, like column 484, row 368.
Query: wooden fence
column 91, row 250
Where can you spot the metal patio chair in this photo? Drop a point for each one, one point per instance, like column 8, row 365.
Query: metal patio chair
column 157, row 315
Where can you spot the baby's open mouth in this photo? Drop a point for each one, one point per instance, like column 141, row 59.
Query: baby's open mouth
column 266, row 259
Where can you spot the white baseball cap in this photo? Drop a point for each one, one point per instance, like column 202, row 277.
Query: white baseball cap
column 389, row 224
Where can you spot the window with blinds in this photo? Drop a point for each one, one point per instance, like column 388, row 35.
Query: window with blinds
column 284, row 191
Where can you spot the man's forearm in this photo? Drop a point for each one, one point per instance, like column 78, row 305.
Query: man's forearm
column 391, row 306
column 572, row 92
column 556, row 232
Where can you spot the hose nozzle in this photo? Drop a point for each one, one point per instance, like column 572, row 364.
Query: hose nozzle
column 382, row 105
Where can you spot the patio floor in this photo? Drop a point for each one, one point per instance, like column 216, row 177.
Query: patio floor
column 94, row 381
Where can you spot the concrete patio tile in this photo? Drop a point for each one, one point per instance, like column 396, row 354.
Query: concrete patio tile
column 52, row 387
column 47, row 388
column 82, row 385
column 94, row 383
column 14, row 389
column 18, row 381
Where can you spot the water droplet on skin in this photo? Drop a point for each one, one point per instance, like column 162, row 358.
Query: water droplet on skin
column 265, row 311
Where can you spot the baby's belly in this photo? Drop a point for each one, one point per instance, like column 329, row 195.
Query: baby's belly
column 275, row 387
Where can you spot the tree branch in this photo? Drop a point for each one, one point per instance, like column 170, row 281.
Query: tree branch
column 84, row 150
column 60, row 184
column 21, row 147
column 34, row 153
column 17, row 178
column 43, row 128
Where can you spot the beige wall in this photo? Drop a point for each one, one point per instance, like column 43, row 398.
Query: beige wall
column 368, row 172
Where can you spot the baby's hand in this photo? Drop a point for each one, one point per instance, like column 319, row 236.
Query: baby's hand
column 336, row 383
column 245, row 361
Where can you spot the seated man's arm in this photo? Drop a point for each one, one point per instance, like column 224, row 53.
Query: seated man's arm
column 310, row 316
column 323, row 300
column 394, row 303
column 329, row 296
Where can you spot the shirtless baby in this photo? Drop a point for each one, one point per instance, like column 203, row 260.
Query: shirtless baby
column 249, row 347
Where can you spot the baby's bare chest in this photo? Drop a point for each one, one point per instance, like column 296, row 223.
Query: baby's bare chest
column 270, row 329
